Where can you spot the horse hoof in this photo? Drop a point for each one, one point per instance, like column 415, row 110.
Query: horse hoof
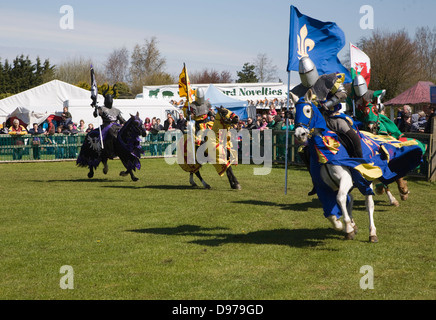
column 135, row 179
column 105, row 171
column 380, row 190
column 237, row 187
column 395, row 203
column 373, row 239
column 208, row 187
column 350, row 236
column 123, row 173
column 90, row 175
column 404, row 197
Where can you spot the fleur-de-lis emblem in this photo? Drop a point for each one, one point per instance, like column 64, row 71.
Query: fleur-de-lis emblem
column 304, row 44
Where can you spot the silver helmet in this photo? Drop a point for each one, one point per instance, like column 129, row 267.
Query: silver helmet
column 360, row 86
column 199, row 95
column 308, row 73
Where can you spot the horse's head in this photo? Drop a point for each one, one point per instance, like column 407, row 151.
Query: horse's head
column 307, row 118
column 136, row 125
column 227, row 117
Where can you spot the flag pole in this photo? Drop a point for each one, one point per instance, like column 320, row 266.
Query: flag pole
column 94, row 93
column 190, row 114
column 287, row 134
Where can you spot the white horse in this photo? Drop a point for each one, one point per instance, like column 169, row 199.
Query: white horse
column 338, row 178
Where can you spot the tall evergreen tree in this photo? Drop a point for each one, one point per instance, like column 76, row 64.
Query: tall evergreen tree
column 247, row 74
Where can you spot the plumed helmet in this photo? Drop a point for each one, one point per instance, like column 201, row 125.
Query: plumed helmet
column 199, row 95
column 308, row 73
column 359, row 85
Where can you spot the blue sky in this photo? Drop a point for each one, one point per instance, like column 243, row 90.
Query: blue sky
column 220, row 35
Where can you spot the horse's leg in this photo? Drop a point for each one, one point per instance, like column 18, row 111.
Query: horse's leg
column 392, row 200
column 369, row 202
column 345, row 185
column 402, row 187
column 132, row 175
column 191, row 180
column 350, row 212
column 105, row 166
column 381, row 188
column 234, row 184
column 202, row 181
column 91, row 172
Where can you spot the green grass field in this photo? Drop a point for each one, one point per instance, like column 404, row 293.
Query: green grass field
column 158, row 238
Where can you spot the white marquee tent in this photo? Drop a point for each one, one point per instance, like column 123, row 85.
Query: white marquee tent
column 50, row 98
column 47, row 98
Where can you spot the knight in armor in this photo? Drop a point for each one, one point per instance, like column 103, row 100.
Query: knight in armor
column 328, row 92
column 200, row 111
column 112, row 120
column 368, row 105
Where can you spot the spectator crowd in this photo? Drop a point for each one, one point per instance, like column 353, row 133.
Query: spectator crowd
column 60, row 131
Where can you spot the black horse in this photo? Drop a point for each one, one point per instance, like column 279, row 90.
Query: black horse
column 126, row 146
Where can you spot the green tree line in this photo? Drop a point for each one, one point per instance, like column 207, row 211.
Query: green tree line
column 23, row 74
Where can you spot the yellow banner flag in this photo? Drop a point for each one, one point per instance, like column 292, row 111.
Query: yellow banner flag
column 185, row 85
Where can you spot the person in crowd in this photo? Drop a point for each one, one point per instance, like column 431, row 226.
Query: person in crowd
column 181, row 123
column 154, row 137
column 4, row 129
column 71, row 140
column 17, row 131
column 49, row 127
column 66, row 117
column 271, row 121
column 81, row 127
column 250, row 124
column 161, row 137
column 159, row 126
column 36, row 132
column 66, row 113
column 420, row 124
column 169, row 123
column 399, row 118
column 59, row 140
column 166, row 122
column 70, row 129
column 429, row 125
column 263, row 124
column 272, row 110
column 406, row 119
column 147, row 124
column 90, row 128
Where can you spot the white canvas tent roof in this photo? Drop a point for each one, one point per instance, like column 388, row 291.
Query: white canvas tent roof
column 29, row 117
column 51, row 97
column 81, row 109
column 46, row 98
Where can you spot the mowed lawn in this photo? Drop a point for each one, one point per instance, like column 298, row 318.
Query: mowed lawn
column 158, row 238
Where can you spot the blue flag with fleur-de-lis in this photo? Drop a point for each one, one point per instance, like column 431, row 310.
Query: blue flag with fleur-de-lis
column 319, row 40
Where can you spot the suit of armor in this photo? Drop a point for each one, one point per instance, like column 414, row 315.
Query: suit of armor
column 112, row 119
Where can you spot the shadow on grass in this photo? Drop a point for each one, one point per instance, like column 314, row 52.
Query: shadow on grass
column 77, row 180
column 159, row 187
column 313, row 204
column 298, row 238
